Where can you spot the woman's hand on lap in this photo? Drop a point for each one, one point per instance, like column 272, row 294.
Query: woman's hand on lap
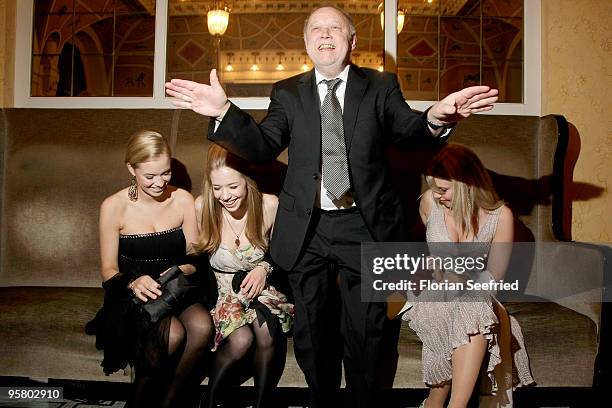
column 254, row 282
column 145, row 288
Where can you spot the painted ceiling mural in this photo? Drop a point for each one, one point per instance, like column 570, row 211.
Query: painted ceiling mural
column 108, row 45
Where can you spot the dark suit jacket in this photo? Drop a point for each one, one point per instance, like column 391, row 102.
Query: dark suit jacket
column 375, row 116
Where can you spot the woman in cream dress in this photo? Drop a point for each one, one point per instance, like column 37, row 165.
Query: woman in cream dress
column 461, row 334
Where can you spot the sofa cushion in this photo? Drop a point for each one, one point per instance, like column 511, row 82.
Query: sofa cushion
column 44, row 336
column 562, row 344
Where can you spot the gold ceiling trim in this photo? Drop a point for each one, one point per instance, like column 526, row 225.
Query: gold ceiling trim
column 200, row 7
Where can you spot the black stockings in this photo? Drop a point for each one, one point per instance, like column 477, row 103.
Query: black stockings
column 188, row 337
column 268, row 362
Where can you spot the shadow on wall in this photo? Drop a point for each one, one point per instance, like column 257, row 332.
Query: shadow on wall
column 180, row 175
column 575, row 191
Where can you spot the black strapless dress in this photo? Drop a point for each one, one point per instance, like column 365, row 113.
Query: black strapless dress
column 124, row 333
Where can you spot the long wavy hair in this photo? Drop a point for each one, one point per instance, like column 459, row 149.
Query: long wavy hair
column 212, row 216
column 472, row 185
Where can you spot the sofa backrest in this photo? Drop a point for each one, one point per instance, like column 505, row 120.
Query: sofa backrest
column 525, row 156
column 59, row 164
column 58, row 167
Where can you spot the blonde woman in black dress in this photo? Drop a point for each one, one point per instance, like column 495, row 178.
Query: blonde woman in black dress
column 147, row 229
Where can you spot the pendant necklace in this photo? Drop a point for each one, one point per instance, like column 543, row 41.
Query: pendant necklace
column 237, row 240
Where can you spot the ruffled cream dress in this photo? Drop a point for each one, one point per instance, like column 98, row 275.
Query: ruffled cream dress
column 443, row 326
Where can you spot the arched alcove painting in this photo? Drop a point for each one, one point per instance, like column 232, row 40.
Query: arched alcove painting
column 93, row 48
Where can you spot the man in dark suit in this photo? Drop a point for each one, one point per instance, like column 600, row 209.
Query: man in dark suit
column 337, row 192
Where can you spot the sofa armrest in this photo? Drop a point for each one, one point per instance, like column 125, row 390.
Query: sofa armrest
column 574, row 275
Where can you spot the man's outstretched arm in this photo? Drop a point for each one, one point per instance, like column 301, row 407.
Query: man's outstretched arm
column 233, row 128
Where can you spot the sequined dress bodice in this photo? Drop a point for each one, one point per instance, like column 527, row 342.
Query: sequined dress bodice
column 151, row 253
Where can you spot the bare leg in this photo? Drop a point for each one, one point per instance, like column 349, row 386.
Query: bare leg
column 437, row 396
column 467, row 360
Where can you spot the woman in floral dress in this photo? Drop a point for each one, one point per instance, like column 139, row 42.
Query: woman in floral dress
column 236, row 220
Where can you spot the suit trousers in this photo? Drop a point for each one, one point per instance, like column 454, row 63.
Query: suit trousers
column 332, row 322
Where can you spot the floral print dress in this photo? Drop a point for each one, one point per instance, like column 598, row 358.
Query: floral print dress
column 233, row 309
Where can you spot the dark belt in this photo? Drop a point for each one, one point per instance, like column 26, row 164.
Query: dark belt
column 338, row 212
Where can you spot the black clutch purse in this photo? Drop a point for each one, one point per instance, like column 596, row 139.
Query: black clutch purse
column 237, row 280
column 175, row 287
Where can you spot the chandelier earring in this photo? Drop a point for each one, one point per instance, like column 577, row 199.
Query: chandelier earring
column 133, row 190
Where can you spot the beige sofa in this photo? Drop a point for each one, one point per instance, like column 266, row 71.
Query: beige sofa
column 58, row 165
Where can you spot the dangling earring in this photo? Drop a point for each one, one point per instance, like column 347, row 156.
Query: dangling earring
column 133, row 190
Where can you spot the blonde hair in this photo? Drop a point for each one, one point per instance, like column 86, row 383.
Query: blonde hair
column 472, row 186
column 212, row 216
column 146, row 145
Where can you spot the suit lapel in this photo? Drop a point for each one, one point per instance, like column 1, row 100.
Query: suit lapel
column 356, row 85
column 309, row 97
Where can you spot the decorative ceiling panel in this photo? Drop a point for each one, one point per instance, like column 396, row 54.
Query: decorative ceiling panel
column 191, row 7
